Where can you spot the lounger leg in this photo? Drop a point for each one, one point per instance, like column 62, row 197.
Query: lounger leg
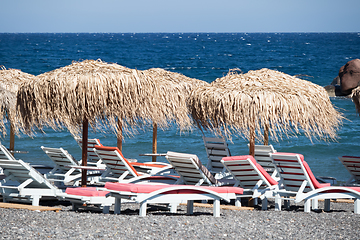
column 190, row 207
column 287, row 204
column 142, row 211
column 74, row 207
column 117, row 207
column 277, row 202
column 106, row 209
column 357, row 206
column 35, row 200
column 327, row 205
column 307, row 205
column 315, row 204
column 264, row 204
column 173, row 207
column 238, row 202
column 216, row 211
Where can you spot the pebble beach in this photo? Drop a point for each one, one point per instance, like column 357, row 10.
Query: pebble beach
column 339, row 223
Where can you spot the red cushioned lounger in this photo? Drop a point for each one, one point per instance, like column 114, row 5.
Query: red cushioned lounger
column 84, row 196
column 299, row 182
column 170, row 194
column 251, row 176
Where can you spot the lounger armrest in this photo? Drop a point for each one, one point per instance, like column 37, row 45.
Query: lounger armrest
column 144, row 197
column 331, row 192
column 10, row 187
column 85, row 167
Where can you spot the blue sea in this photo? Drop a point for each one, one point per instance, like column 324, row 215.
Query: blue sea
column 206, row 56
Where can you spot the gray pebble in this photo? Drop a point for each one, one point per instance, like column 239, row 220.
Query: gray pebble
column 340, row 223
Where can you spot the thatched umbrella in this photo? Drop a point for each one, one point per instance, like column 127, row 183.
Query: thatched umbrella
column 90, row 92
column 265, row 100
column 7, row 107
column 174, row 90
column 10, row 80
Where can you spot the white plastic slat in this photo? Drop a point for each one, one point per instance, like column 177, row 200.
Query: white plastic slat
column 215, row 158
column 217, row 164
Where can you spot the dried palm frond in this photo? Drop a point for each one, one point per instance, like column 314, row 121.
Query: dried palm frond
column 10, row 80
column 174, row 91
column 265, row 99
column 103, row 93
column 7, row 109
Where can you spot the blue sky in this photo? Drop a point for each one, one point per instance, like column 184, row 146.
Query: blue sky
column 180, row 16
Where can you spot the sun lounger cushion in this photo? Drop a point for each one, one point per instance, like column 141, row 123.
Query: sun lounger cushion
column 130, row 164
column 258, row 166
column 115, row 161
column 307, row 168
column 147, row 164
column 86, row 191
column 148, row 188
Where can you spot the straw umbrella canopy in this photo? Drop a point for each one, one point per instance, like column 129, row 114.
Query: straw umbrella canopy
column 7, row 107
column 90, row 92
column 174, row 89
column 10, row 80
column 265, row 100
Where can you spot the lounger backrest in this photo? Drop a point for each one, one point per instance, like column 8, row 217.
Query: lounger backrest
column 189, row 167
column 216, row 149
column 262, row 156
column 19, row 171
column 114, row 160
column 293, row 170
column 5, row 154
column 93, row 158
column 60, row 157
column 352, row 164
column 247, row 171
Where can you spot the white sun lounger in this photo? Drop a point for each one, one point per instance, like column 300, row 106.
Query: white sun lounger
column 170, row 194
column 119, row 169
column 67, row 170
column 262, row 156
column 192, row 172
column 216, row 149
column 93, row 158
column 23, row 182
column 352, row 164
column 299, row 182
column 252, row 177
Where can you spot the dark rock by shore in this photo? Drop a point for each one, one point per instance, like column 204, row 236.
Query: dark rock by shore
column 347, row 80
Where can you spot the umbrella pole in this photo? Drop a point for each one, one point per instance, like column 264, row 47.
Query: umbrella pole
column 266, row 135
column 252, row 138
column 12, row 140
column 154, row 147
column 84, row 151
column 119, row 136
column 252, row 143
